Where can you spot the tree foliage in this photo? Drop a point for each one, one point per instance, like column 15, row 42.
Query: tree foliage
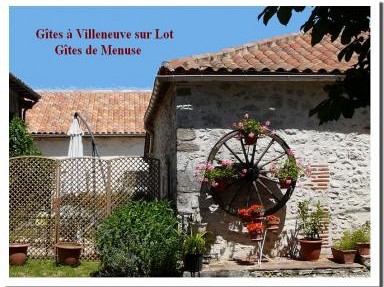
column 20, row 141
column 351, row 25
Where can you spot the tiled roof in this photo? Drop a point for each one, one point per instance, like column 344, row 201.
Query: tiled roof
column 287, row 53
column 106, row 112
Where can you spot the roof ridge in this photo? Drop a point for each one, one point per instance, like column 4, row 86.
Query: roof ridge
column 225, row 52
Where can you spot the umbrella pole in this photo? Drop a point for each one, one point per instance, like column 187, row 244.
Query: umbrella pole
column 94, row 149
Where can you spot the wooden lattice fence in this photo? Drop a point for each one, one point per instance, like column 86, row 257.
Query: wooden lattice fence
column 62, row 200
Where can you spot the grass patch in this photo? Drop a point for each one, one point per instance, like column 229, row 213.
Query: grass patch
column 48, row 268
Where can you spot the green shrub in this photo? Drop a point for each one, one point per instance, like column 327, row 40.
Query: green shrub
column 20, row 141
column 140, row 239
column 345, row 242
column 194, row 244
column 362, row 234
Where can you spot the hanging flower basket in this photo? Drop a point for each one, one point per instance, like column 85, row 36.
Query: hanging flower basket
column 250, row 129
column 220, row 184
column 250, row 139
column 285, row 183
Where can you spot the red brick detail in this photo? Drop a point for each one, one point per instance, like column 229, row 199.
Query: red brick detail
column 319, row 177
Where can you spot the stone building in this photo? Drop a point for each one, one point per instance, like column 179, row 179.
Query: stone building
column 196, row 99
column 115, row 119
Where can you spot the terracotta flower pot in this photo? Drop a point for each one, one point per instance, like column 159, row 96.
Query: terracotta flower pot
column 285, row 183
column 310, row 249
column 256, row 235
column 363, row 248
column 250, row 140
column 68, row 253
column 257, row 215
column 220, row 184
column 17, row 253
column 273, row 224
column 343, row 256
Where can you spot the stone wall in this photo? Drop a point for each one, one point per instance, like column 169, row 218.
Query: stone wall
column 206, row 111
column 164, row 145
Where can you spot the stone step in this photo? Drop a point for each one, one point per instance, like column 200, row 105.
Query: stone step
column 281, row 267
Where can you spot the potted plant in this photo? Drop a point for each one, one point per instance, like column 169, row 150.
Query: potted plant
column 245, row 216
column 194, row 247
column 256, row 230
column 273, row 222
column 361, row 239
column 311, row 222
column 68, row 253
column 289, row 172
column 18, row 248
column 250, row 129
column 219, row 176
column 343, row 251
column 256, row 211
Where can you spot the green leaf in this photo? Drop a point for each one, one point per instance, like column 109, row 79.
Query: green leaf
column 268, row 13
column 284, row 14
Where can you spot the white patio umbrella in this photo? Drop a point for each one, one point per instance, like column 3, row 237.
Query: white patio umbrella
column 76, row 142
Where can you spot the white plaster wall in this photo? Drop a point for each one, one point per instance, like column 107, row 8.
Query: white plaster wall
column 106, row 146
column 205, row 112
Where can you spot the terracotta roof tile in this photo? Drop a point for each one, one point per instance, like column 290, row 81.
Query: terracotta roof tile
column 106, row 112
column 292, row 52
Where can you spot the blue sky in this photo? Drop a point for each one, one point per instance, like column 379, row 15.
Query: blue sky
column 196, row 30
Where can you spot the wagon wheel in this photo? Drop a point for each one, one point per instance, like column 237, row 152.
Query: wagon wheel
column 257, row 185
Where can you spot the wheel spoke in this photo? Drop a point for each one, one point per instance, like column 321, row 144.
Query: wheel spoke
column 244, row 152
column 248, row 195
column 269, row 191
column 257, row 192
column 276, row 158
column 265, row 151
column 235, row 155
column 267, row 178
column 235, row 195
column 253, row 153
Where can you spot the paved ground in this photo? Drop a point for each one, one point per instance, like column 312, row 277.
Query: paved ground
column 281, row 267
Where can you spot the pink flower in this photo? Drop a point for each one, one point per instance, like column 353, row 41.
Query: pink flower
column 238, row 137
column 273, row 133
column 246, row 116
column 288, row 181
column 244, row 171
column 291, row 152
column 210, row 166
column 214, row 183
column 251, row 135
column 267, row 123
column 264, row 128
column 200, row 166
column 240, row 126
column 226, row 162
